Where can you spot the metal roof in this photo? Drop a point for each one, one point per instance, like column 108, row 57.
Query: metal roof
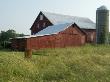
column 26, row 37
column 62, row 19
column 60, row 27
column 53, row 29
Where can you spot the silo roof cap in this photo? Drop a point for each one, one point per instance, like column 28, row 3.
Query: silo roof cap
column 102, row 8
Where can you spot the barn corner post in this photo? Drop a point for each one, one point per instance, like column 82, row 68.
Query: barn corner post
column 28, row 50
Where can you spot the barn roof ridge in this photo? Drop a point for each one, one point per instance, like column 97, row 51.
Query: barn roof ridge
column 56, row 18
column 62, row 14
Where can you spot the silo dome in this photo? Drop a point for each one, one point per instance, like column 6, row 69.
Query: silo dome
column 102, row 8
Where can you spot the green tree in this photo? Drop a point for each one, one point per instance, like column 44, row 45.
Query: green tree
column 109, row 38
column 5, row 36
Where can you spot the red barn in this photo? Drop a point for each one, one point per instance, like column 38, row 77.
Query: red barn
column 54, row 30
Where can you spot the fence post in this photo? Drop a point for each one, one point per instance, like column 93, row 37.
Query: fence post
column 28, row 53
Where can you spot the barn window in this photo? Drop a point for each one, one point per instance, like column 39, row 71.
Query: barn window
column 33, row 33
column 37, row 25
column 44, row 24
column 41, row 17
column 92, row 37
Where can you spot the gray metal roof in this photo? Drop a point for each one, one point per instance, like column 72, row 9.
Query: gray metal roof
column 62, row 19
column 53, row 29
column 57, row 28
column 29, row 36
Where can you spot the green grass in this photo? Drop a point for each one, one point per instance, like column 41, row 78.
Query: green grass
column 88, row 63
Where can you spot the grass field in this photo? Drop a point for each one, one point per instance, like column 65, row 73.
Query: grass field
column 89, row 63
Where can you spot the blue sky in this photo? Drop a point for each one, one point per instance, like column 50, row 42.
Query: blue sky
column 20, row 14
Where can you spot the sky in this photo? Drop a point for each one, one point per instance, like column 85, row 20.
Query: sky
column 20, row 14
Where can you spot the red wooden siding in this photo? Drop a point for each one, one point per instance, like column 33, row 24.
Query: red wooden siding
column 91, row 35
column 18, row 44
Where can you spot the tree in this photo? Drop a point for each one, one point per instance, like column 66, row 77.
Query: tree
column 6, row 35
column 109, row 38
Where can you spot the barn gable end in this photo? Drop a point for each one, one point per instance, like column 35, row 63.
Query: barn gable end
column 40, row 23
column 70, row 30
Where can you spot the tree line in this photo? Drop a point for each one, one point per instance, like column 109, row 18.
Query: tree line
column 5, row 37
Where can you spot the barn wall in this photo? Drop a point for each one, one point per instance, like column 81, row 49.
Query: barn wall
column 18, row 44
column 73, row 36
column 91, row 35
column 41, row 42
column 67, row 38
column 55, row 41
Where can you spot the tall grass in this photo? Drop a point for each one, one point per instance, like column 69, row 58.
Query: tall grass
column 90, row 63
